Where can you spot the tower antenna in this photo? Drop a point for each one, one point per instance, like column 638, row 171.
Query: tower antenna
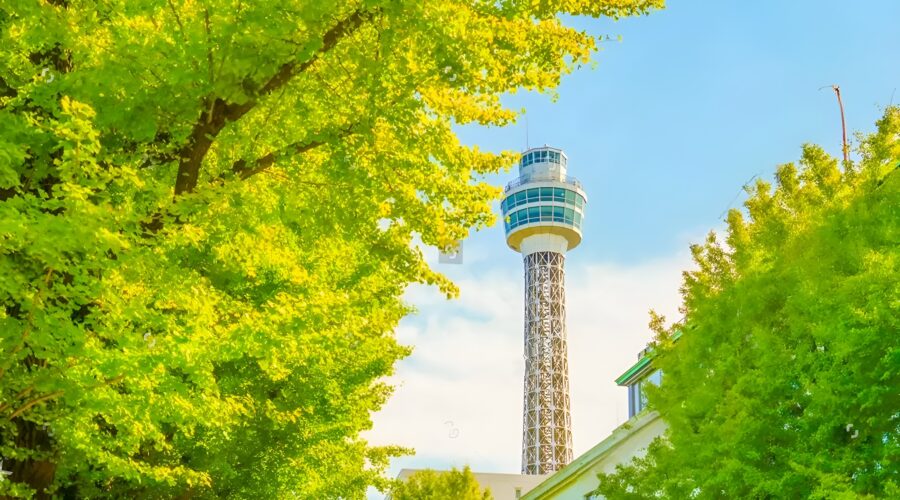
column 527, row 147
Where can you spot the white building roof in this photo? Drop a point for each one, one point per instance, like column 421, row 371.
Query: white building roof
column 502, row 486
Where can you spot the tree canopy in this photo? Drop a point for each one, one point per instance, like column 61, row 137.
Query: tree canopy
column 207, row 217
column 446, row 485
column 784, row 382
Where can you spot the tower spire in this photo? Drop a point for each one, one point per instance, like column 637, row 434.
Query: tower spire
column 542, row 211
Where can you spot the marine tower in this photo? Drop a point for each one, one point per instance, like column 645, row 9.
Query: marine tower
column 542, row 211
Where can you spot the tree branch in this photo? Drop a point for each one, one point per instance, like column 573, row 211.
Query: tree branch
column 24, row 392
column 56, row 394
column 35, row 401
column 219, row 113
column 177, row 20
column 242, row 170
column 209, row 54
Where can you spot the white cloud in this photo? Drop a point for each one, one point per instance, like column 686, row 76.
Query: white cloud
column 458, row 398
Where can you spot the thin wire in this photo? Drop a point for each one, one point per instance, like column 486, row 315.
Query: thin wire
column 743, row 189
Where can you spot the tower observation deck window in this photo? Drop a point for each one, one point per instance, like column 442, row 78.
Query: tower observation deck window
column 542, row 156
column 533, row 195
column 559, row 214
column 543, row 213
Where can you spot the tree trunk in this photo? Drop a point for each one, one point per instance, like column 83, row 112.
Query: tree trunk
column 36, row 473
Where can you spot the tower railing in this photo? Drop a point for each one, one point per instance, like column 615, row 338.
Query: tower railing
column 525, row 179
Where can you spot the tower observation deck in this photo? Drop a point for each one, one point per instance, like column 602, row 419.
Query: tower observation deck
column 542, row 211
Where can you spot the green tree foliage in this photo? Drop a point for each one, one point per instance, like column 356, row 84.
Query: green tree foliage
column 431, row 485
column 786, row 380
column 207, row 210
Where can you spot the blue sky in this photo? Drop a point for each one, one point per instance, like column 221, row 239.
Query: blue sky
column 698, row 98
column 691, row 104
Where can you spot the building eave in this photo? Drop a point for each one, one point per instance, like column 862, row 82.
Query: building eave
column 643, row 366
column 636, row 371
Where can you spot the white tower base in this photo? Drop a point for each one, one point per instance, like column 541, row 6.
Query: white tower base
column 544, row 243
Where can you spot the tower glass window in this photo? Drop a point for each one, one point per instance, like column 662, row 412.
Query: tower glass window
column 543, row 213
column 534, row 195
column 637, row 396
column 542, row 156
column 559, row 214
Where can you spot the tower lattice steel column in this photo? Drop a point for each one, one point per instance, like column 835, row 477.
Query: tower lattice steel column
column 543, row 210
column 547, row 426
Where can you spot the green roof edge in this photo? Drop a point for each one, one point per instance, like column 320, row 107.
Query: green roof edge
column 641, row 364
column 636, row 368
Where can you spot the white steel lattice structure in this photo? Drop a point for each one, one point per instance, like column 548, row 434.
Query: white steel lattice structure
column 543, row 210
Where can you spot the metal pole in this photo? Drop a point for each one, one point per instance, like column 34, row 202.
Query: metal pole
column 845, row 148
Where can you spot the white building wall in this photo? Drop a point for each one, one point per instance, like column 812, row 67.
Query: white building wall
column 579, row 478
